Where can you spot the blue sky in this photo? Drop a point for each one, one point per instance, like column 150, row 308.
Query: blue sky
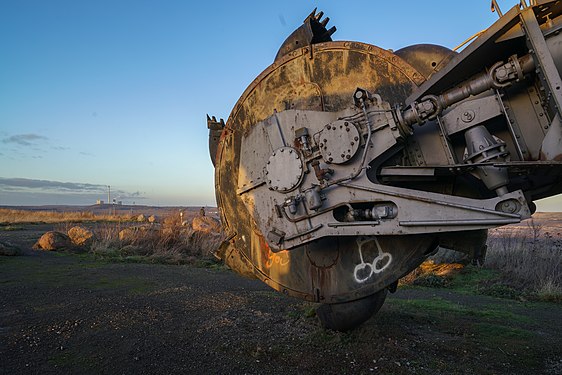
column 97, row 93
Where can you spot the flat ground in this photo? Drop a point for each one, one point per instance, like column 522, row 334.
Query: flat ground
column 68, row 313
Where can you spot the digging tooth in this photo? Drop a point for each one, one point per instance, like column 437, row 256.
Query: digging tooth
column 319, row 15
column 332, row 30
column 325, row 21
column 311, row 15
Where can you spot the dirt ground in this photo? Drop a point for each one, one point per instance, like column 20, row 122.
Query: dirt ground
column 68, row 313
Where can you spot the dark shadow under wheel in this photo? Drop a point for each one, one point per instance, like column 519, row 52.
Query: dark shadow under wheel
column 348, row 315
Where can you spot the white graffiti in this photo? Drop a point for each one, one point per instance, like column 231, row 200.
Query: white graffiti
column 363, row 271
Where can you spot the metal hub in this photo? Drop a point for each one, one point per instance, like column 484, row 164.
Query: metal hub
column 339, row 141
column 284, row 169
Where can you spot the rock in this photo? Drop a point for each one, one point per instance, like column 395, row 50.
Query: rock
column 81, row 236
column 7, row 249
column 447, row 256
column 141, row 218
column 133, row 233
column 206, row 224
column 152, row 219
column 53, row 241
column 128, row 234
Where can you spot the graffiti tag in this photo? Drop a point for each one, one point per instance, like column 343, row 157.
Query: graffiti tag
column 278, row 259
column 363, row 271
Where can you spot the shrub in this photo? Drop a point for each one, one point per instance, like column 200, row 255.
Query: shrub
column 166, row 243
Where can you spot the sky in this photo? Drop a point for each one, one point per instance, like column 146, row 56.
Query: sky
column 98, row 93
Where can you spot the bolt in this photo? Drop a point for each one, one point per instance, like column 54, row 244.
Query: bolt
column 346, row 123
column 348, row 157
column 321, row 144
column 356, row 139
column 329, row 127
column 352, row 143
column 346, row 129
column 330, row 160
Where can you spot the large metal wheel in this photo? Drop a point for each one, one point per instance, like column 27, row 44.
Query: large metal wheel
column 349, row 275
column 348, row 315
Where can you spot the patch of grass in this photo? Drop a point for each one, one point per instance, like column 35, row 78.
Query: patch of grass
column 10, row 228
column 431, row 281
column 451, row 308
column 10, row 216
column 471, row 278
column 549, row 291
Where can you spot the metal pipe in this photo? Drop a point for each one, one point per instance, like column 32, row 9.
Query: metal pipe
column 500, row 75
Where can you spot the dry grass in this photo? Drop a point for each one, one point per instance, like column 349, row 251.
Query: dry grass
column 521, row 262
column 10, row 216
column 528, row 260
column 167, row 243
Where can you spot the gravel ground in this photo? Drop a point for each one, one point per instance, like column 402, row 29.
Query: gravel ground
column 66, row 313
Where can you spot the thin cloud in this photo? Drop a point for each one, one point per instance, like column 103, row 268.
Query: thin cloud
column 60, row 148
column 25, row 139
column 27, row 183
column 47, row 186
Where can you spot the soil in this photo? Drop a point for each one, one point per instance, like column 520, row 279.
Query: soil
column 71, row 313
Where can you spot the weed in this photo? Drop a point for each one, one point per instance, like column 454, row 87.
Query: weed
column 168, row 243
column 10, row 228
column 527, row 261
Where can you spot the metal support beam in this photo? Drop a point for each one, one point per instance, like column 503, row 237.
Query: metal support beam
column 543, row 59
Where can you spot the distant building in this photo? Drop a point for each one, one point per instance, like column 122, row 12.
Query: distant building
column 99, row 201
column 119, row 203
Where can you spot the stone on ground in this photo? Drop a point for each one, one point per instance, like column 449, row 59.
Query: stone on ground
column 206, row 224
column 81, row 236
column 53, row 240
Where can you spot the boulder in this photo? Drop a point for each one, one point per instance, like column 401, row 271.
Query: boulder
column 152, row 219
column 133, row 233
column 53, row 241
column 128, row 234
column 141, row 218
column 7, row 249
column 81, row 236
column 206, row 224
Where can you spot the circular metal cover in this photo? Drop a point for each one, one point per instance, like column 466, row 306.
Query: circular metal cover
column 284, row 169
column 339, row 141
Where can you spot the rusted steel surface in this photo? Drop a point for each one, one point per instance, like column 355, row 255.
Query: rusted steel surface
column 324, row 82
column 343, row 166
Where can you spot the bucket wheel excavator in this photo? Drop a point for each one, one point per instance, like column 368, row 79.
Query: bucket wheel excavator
column 343, row 166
